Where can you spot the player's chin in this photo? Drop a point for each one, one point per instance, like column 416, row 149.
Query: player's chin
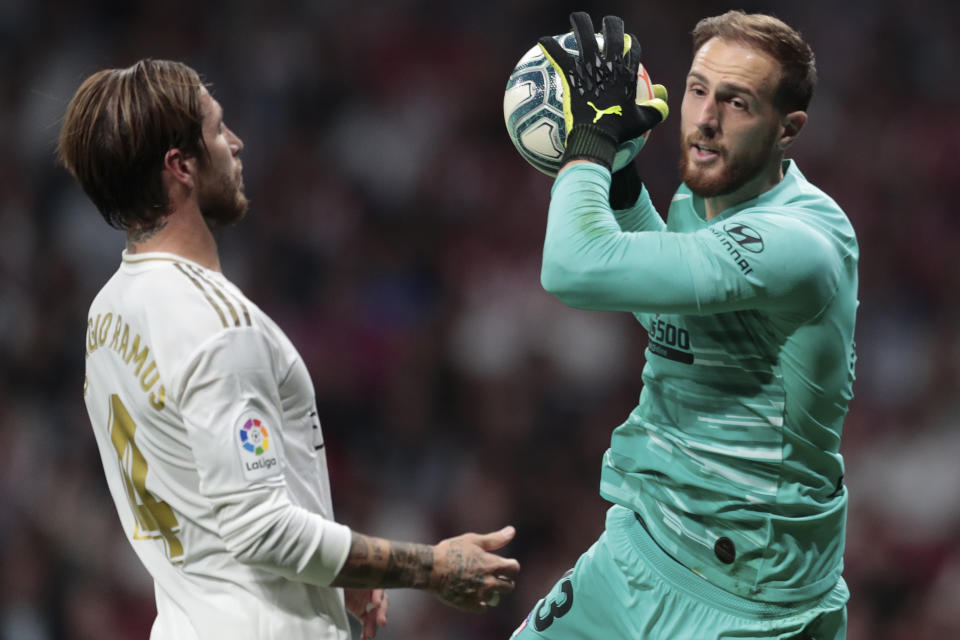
column 704, row 181
column 219, row 217
column 704, row 187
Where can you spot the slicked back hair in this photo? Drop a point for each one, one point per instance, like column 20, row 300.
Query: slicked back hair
column 118, row 127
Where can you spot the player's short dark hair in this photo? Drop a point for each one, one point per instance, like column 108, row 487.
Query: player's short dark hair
column 776, row 38
column 118, row 127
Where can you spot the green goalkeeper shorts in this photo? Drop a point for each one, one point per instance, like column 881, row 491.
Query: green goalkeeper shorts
column 625, row 586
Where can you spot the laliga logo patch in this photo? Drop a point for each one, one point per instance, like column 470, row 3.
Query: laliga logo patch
column 253, row 437
column 254, row 444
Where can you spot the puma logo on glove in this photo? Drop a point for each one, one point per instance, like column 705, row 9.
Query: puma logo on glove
column 615, row 110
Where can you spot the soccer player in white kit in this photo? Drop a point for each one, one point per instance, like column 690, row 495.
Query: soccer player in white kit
column 204, row 412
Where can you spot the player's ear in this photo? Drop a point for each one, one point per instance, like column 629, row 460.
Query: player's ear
column 791, row 124
column 179, row 167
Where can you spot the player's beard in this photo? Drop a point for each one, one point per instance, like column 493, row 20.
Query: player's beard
column 729, row 172
column 220, row 197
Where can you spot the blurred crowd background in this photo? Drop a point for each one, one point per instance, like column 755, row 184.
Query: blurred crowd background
column 395, row 235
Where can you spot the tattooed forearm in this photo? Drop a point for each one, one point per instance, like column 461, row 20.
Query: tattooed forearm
column 358, row 570
column 377, row 563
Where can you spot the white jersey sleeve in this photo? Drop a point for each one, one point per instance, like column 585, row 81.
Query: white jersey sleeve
column 229, row 400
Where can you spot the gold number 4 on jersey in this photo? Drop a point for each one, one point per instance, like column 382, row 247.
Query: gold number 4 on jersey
column 155, row 519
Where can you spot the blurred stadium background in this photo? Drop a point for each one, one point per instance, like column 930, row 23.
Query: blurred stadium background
column 394, row 233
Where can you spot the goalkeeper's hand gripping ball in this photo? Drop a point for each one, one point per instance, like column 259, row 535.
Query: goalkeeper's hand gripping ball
column 600, row 107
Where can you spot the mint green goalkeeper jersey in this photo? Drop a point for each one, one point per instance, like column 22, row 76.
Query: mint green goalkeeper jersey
column 732, row 455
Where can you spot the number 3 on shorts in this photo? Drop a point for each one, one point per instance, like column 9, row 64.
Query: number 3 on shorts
column 560, row 604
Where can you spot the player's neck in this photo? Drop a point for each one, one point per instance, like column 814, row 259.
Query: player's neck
column 184, row 233
column 761, row 183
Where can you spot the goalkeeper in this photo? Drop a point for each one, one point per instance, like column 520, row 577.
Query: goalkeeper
column 729, row 507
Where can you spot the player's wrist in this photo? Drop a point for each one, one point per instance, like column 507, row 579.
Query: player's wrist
column 436, row 576
column 415, row 564
column 590, row 142
column 625, row 187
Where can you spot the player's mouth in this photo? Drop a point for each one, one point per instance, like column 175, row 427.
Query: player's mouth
column 703, row 152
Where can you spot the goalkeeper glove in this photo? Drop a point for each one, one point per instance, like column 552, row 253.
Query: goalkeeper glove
column 599, row 90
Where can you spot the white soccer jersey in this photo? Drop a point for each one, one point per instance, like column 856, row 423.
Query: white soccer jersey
column 205, row 418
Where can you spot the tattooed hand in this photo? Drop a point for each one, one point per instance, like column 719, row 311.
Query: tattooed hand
column 466, row 576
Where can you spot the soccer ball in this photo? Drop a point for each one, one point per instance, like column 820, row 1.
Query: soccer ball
column 533, row 109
